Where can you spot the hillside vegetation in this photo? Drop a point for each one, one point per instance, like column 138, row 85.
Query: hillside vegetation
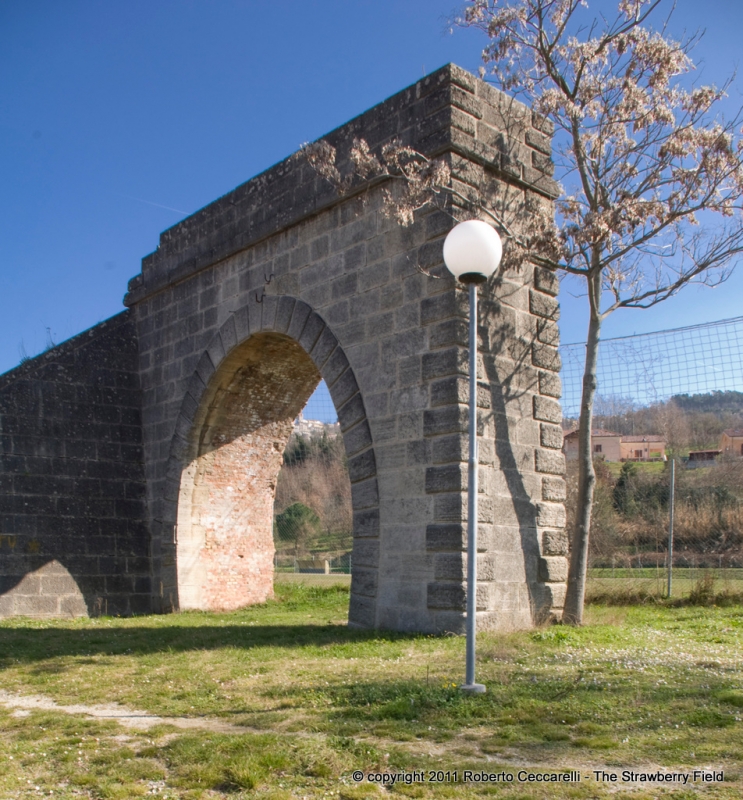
column 313, row 514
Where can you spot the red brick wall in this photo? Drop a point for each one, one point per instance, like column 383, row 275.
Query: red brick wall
column 225, row 516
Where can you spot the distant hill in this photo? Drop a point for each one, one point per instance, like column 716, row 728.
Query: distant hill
column 714, row 402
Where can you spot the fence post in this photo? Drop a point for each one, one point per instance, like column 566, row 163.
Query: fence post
column 670, row 526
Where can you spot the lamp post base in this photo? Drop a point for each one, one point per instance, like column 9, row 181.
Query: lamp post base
column 473, row 688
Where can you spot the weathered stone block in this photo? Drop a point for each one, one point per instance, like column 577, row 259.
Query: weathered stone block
column 448, row 449
column 553, row 569
column 358, row 438
column 553, row 489
column 546, row 357
column 283, row 314
column 74, row 606
column 548, row 332
column 344, row 388
column 365, row 494
column 446, row 537
column 364, row 582
column 300, row 314
column 324, row 346
column 444, row 306
column 487, row 567
column 542, row 305
column 450, row 567
column 362, row 612
column 366, row 522
column 555, row 593
column 550, row 436
column 455, row 390
column 366, row 553
column 446, row 595
column 555, row 543
column 550, row 515
column 539, row 141
column 543, row 164
column 449, row 478
column 550, row 384
column 441, row 363
column 334, row 367
column 351, row 412
column 546, row 410
column 550, row 462
column 450, row 419
column 362, row 466
column 412, row 398
column 451, row 332
column 311, row 331
column 268, row 312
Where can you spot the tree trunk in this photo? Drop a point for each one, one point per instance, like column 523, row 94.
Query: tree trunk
column 576, row 590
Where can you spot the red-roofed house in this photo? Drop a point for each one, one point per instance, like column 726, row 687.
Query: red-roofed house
column 604, row 444
column 648, row 447
column 731, row 442
column 614, row 447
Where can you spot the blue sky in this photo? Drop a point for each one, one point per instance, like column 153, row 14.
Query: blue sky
column 118, row 119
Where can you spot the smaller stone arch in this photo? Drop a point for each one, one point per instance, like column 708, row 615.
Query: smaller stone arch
column 252, row 380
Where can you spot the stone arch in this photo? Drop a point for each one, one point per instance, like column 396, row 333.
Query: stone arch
column 252, row 380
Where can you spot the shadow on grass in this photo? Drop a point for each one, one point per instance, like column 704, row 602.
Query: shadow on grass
column 26, row 645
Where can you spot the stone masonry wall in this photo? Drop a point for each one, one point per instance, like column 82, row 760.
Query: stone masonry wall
column 521, row 538
column 346, row 284
column 73, row 527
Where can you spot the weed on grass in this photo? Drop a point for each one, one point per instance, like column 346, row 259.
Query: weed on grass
column 637, row 687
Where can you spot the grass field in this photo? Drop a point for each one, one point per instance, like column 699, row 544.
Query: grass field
column 647, row 467
column 703, row 587
column 284, row 701
column 615, row 586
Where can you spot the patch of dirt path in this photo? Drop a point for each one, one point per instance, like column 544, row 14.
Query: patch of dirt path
column 129, row 717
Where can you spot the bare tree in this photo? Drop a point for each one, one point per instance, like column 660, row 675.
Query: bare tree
column 652, row 177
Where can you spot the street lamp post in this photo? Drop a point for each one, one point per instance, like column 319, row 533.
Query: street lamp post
column 472, row 253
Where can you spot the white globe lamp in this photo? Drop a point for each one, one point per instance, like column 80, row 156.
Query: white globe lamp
column 472, row 251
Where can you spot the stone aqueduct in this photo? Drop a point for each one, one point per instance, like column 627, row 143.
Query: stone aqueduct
column 139, row 459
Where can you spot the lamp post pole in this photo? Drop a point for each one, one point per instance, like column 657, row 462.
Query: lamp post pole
column 472, row 252
column 472, row 466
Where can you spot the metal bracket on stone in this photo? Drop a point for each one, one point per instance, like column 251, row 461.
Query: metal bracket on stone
column 267, row 281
